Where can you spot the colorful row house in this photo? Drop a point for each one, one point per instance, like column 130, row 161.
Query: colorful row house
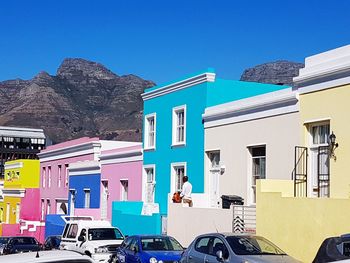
column 175, row 118
column 20, row 211
column 315, row 204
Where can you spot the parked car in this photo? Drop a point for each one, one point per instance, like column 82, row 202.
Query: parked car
column 46, row 257
column 95, row 238
column 334, row 249
column 52, row 242
column 221, row 247
column 21, row 244
column 149, row 249
column 3, row 242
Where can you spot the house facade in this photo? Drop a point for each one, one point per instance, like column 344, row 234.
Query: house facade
column 318, row 196
column 21, row 199
column 174, row 134
column 247, row 140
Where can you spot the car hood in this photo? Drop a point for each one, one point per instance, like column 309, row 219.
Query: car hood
column 163, row 255
column 102, row 243
column 270, row 259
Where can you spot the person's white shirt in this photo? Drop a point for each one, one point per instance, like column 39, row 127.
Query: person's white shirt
column 186, row 192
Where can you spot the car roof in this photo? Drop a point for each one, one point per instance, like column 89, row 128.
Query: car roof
column 229, row 234
column 44, row 256
column 89, row 224
column 149, row 236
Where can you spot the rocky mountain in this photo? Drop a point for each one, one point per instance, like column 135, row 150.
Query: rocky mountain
column 279, row 72
column 84, row 98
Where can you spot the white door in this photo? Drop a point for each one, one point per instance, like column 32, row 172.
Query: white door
column 104, row 200
column 214, row 188
column 72, row 203
column 214, row 174
column 312, row 183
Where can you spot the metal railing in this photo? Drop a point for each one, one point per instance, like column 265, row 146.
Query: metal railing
column 299, row 174
column 244, row 219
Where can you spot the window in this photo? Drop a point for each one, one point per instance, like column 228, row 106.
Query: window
column 1, row 215
column 59, row 175
column 7, row 213
column 258, row 167
column 42, row 209
column 66, row 175
column 150, row 184
column 179, row 171
column 87, row 198
column 48, row 207
column 150, row 131
column 179, row 125
column 202, row 245
column 320, row 134
column 49, row 176
column 73, row 231
column 124, row 190
column 44, row 177
column 18, row 207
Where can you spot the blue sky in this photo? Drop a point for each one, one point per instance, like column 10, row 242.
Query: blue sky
column 163, row 40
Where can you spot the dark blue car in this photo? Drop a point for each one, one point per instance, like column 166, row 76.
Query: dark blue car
column 149, row 249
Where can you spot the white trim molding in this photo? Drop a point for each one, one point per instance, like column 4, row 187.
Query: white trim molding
column 146, row 131
column 324, row 70
column 175, row 112
column 266, row 105
column 16, row 165
column 84, row 168
column 93, row 147
column 122, row 157
column 182, row 84
column 30, row 226
column 10, row 192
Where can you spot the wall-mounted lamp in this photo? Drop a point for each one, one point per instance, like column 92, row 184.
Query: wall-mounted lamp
column 332, row 145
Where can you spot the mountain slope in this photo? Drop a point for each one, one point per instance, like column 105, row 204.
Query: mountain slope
column 83, row 99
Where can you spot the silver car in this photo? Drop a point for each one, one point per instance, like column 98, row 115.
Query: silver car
column 229, row 247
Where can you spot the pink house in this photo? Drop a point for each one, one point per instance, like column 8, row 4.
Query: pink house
column 121, row 176
column 54, row 164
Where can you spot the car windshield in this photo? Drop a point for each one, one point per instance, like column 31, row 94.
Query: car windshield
column 3, row 240
column 160, row 243
column 24, row 241
column 104, row 234
column 251, row 245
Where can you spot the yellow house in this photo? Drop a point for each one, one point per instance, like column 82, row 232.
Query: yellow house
column 19, row 176
column 299, row 214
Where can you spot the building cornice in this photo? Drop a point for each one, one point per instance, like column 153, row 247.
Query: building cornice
column 9, row 192
column 70, row 151
column 84, row 168
column 262, row 106
column 17, row 165
column 183, row 84
column 122, row 157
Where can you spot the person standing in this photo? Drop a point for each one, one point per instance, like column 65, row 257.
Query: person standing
column 186, row 193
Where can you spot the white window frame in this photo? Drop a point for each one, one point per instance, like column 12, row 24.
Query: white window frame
column 8, row 207
column 311, row 126
column 18, row 211
column 49, row 176
column 87, row 197
column 66, row 174
column 250, row 170
column 173, row 174
column 176, row 110
column 147, row 145
column 42, row 209
column 122, row 190
column 44, row 177
column 59, row 175
column 144, row 181
column 48, row 207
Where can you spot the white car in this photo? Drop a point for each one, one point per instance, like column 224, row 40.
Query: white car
column 46, row 257
column 95, row 238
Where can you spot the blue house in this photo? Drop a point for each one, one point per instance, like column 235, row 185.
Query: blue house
column 173, row 141
column 84, row 189
column 174, row 133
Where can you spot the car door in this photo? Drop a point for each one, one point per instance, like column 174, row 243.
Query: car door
column 199, row 250
column 217, row 244
column 132, row 251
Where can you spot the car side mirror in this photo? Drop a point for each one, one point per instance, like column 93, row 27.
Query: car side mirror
column 220, row 255
column 81, row 238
